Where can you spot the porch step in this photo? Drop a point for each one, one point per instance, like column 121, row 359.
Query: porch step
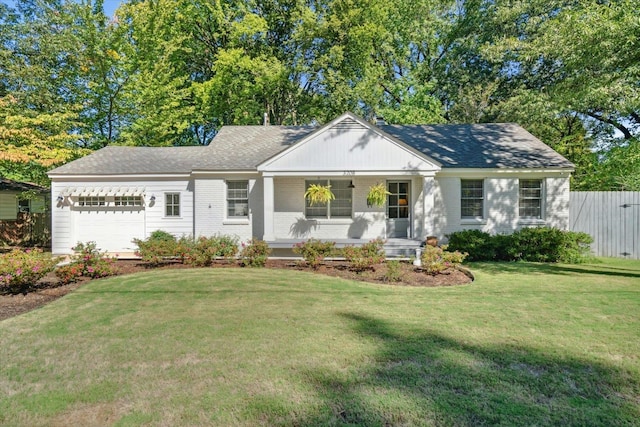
column 393, row 247
column 401, row 248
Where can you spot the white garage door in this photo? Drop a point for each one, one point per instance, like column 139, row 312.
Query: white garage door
column 112, row 229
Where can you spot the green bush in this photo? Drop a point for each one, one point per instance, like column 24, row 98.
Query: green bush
column 162, row 246
column 255, row 253
column 436, row 260
column 162, row 235
column 20, row 270
column 159, row 247
column 205, row 250
column 479, row 245
column 545, row 244
column 393, row 273
column 366, row 256
column 539, row 244
column 314, row 251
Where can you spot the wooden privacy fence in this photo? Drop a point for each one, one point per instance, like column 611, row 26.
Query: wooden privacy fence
column 28, row 229
column 612, row 218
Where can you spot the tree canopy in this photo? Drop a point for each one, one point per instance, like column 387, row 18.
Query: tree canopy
column 172, row 72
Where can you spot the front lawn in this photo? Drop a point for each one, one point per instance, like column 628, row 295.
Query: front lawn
column 525, row 344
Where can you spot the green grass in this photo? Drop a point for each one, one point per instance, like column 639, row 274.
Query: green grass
column 526, row 344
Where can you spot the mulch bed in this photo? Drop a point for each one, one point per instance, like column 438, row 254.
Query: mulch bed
column 49, row 289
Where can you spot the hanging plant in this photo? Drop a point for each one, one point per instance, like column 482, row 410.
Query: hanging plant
column 319, row 194
column 377, row 195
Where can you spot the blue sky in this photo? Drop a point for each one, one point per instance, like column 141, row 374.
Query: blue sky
column 109, row 5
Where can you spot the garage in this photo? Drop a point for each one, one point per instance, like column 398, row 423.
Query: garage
column 112, row 219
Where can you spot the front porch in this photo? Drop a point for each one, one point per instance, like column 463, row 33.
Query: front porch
column 393, row 247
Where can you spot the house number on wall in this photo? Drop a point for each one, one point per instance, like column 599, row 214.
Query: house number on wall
column 349, row 173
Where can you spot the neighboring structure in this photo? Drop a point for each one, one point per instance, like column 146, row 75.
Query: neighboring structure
column 250, row 182
column 11, row 203
column 24, row 220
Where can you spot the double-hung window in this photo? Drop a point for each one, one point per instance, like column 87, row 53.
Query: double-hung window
column 237, row 199
column 340, row 207
column 530, row 200
column 172, row 204
column 472, row 198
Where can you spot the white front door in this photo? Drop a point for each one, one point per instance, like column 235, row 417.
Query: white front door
column 398, row 211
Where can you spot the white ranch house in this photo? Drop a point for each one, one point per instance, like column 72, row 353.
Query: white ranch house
column 250, row 182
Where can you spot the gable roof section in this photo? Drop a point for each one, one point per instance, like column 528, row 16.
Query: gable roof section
column 491, row 145
column 351, row 143
column 246, row 148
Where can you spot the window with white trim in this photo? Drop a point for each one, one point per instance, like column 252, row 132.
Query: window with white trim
column 471, row 198
column 530, row 199
column 127, row 201
column 172, row 204
column 340, row 207
column 238, row 199
column 92, row 201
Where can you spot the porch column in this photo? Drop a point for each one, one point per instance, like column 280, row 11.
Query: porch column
column 268, row 208
column 428, row 192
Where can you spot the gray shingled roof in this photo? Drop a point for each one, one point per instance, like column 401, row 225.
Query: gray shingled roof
column 11, row 185
column 493, row 145
column 245, row 147
column 116, row 160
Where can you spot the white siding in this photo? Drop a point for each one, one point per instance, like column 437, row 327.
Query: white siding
column 354, row 149
column 500, row 205
column 113, row 228
column 290, row 221
column 557, row 202
column 211, row 209
column 62, row 238
column 256, row 204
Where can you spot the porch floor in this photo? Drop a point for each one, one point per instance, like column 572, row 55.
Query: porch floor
column 393, row 247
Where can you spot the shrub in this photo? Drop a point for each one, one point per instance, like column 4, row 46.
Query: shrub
column 540, row 244
column 19, row 270
column 393, row 273
column 159, row 247
column 366, row 256
column 545, row 244
column 436, row 260
column 204, row 250
column 254, row 253
column 162, row 235
column 314, row 251
column 479, row 245
column 87, row 261
column 69, row 273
